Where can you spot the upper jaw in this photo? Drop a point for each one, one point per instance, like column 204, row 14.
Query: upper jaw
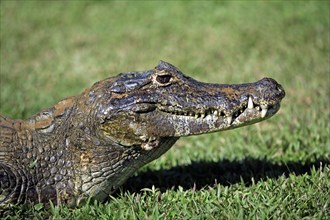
column 244, row 112
column 233, row 105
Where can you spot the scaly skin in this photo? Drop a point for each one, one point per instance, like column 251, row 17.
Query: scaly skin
column 88, row 145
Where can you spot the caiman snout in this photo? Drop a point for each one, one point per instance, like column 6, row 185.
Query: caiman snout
column 267, row 90
column 251, row 102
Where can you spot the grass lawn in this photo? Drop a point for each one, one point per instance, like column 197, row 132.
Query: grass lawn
column 277, row 169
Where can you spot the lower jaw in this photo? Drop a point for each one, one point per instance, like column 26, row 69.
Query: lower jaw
column 186, row 126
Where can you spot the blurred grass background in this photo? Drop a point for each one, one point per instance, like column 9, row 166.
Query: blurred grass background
column 276, row 169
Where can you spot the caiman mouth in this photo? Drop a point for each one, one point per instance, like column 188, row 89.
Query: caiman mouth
column 248, row 111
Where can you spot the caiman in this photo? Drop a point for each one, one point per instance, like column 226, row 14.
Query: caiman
column 88, row 145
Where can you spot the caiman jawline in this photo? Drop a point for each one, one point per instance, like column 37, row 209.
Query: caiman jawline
column 263, row 109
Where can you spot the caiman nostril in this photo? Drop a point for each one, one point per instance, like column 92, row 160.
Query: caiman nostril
column 280, row 90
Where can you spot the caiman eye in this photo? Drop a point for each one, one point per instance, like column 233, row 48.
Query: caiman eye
column 163, row 79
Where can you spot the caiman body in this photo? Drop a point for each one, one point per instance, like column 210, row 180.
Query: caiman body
column 88, row 145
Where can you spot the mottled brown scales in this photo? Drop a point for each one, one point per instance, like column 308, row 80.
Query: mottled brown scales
column 89, row 144
column 231, row 92
column 62, row 106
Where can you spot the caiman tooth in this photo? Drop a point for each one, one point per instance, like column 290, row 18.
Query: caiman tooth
column 216, row 112
column 229, row 119
column 250, row 103
column 264, row 109
column 203, row 115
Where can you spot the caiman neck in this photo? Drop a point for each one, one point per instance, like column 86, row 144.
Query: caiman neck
column 42, row 124
column 49, row 120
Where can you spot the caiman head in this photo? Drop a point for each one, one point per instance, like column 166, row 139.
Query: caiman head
column 88, row 145
column 145, row 108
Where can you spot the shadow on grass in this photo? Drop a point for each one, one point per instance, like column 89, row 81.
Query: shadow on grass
column 202, row 174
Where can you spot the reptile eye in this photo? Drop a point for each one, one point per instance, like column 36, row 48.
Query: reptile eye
column 163, row 79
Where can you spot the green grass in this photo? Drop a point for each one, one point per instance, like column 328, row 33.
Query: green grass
column 278, row 169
